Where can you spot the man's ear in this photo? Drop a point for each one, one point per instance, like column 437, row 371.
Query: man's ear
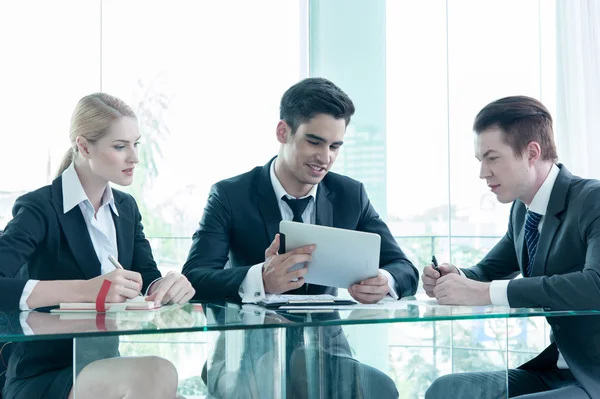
column 283, row 131
column 533, row 152
column 83, row 146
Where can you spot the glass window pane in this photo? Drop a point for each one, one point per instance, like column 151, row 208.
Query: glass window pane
column 50, row 59
column 206, row 84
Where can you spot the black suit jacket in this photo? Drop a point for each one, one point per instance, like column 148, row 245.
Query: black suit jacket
column 566, row 273
column 57, row 246
column 241, row 219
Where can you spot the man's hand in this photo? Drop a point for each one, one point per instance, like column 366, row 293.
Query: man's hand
column 276, row 274
column 371, row 290
column 126, row 284
column 174, row 288
column 453, row 289
column 430, row 276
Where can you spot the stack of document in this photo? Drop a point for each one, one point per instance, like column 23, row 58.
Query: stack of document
column 275, row 301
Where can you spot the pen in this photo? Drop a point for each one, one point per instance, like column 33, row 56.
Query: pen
column 117, row 265
column 435, row 265
column 114, row 262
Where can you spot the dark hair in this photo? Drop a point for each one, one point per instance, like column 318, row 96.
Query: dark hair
column 522, row 120
column 313, row 96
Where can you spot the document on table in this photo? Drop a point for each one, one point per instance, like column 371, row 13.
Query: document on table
column 310, row 301
column 383, row 304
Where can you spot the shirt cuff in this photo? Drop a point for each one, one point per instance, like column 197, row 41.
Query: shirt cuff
column 499, row 292
column 252, row 288
column 29, row 286
column 148, row 289
column 391, row 283
column 460, row 271
column 24, row 326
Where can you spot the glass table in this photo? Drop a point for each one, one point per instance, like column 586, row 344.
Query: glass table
column 225, row 350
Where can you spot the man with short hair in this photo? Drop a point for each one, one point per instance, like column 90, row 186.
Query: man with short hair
column 241, row 222
column 241, row 219
column 553, row 240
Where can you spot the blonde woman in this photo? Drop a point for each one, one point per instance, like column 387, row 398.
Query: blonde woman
column 66, row 232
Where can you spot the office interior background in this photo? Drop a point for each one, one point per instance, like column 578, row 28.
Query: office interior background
column 205, row 79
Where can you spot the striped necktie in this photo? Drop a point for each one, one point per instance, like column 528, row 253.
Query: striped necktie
column 532, row 236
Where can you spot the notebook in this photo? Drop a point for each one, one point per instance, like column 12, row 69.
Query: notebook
column 137, row 303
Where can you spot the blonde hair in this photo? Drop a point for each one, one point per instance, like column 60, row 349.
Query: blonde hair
column 91, row 119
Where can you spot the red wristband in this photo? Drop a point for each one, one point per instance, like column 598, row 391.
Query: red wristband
column 101, row 298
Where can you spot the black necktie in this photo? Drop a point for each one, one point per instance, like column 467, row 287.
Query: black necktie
column 298, row 206
column 295, row 336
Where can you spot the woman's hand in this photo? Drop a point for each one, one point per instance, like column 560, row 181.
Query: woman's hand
column 174, row 288
column 125, row 285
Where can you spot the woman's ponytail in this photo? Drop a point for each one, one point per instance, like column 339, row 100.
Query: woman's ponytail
column 66, row 162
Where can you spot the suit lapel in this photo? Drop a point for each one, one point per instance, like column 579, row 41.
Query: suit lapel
column 551, row 222
column 549, row 229
column 324, row 206
column 267, row 203
column 76, row 234
column 124, row 228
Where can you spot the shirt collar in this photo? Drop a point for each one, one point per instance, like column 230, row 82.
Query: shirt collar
column 73, row 193
column 540, row 201
column 280, row 191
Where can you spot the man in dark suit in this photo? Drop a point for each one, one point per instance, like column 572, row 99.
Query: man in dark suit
column 553, row 240
column 242, row 215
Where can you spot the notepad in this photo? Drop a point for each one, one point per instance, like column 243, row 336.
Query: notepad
column 135, row 304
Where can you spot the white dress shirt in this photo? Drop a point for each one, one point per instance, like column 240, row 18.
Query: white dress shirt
column 539, row 204
column 101, row 228
column 252, row 288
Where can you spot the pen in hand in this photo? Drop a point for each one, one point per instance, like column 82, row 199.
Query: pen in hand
column 115, row 262
column 117, row 265
column 435, row 265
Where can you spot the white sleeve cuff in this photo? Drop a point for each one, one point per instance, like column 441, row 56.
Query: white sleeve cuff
column 460, row 272
column 148, row 289
column 24, row 326
column 391, row 283
column 252, row 288
column 29, row 286
column 499, row 292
